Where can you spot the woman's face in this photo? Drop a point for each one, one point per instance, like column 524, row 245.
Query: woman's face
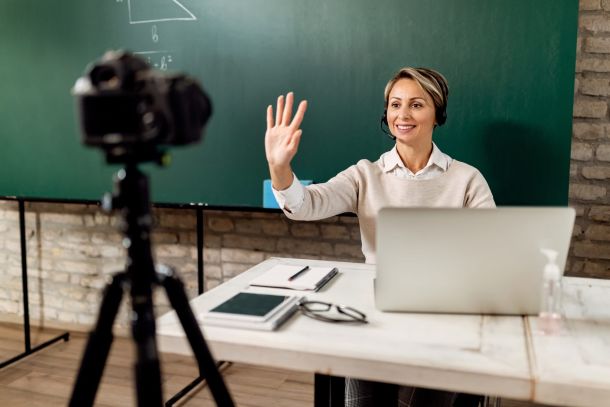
column 411, row 113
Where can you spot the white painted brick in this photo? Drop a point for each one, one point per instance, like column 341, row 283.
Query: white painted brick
column 112, row 251
column 589, row 5
column 596, row 172
column 586, row 192
column 581, row 151
column 171, row 250
column 603, row 152
column 209, row 284
column 233, row 269
column 10, row 308
column 594, row 22
column 598, row 45
column 606, row 5
column 67, row 317
column 595, row 86
column 110, row 236
column 77, row 267
column 590, row 131
column 241, row 256
column 590, row 108
column 593, row 64
column 573, row 170
column 86, row 319
column 77, row 236
column 61, row 218
column 212, row 271
column 249, row 242
column 94, row 282
column 211, row 255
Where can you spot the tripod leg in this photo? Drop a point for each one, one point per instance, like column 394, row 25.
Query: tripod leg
column 98, row 345
column 148, row 368
column 179, row 301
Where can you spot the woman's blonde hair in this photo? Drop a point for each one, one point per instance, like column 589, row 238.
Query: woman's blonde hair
column 431, row 81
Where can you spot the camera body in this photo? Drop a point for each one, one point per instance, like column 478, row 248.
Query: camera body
column 129, row 109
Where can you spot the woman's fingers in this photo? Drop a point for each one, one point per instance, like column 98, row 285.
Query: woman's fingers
column 283, row 113
column 288, row 109
column 298, row 117
column 294, row 140
column 279, row 110
column 269, row 117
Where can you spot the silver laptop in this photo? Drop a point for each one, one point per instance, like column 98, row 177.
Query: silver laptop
column 458, row 260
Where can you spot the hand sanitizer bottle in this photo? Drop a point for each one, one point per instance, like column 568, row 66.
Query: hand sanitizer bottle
column 549, row 319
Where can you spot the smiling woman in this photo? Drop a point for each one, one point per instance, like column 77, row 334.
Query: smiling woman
column 413, row 173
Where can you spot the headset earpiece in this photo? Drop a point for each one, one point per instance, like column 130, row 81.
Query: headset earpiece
column 441, row 116
column 384, row 120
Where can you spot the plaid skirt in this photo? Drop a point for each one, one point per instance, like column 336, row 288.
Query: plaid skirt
column 363, row 393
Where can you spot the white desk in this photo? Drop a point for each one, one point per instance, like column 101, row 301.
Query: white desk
column 573, row 368
column 466, row 353
column 504, row 356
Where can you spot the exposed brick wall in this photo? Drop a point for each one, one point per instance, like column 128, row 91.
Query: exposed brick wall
column 590, row 165
column 73, row 248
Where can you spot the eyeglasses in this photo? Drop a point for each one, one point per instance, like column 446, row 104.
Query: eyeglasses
column 322, row 311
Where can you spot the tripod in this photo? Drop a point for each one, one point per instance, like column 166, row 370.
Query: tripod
column 132, row 198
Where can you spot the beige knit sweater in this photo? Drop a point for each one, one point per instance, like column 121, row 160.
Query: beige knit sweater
column 365, row 188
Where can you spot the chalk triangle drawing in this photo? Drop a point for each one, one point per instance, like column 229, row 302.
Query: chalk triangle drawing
column 154, row 11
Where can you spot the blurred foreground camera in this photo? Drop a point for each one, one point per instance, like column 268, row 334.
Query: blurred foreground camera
column 129, row 109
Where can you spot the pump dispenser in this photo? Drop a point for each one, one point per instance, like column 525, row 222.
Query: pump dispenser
column 550, row 311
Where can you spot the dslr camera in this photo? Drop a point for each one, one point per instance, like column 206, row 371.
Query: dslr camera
column 130, row 110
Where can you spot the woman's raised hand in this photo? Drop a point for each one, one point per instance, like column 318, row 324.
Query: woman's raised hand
column 283, row 135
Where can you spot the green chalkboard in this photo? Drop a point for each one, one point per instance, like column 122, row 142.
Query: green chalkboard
column 509, row 63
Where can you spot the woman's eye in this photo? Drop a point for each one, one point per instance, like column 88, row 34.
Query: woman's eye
column 416, row 105
column 395, row 105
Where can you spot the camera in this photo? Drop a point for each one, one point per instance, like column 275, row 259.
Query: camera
column 130, row 110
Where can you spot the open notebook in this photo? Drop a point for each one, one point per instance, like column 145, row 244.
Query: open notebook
column 279, row 275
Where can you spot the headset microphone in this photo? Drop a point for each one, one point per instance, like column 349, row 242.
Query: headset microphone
column 384, row 120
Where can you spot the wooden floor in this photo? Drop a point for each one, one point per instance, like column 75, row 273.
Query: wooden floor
column 46, row 378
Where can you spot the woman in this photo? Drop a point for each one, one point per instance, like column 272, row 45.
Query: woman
column 413, row 173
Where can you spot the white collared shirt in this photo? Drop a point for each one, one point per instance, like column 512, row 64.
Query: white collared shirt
column 437, row 164
column 292, row 197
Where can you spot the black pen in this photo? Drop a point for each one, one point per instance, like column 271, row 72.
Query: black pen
column 298, row 273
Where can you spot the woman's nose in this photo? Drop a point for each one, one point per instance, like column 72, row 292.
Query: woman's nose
column 405, row 113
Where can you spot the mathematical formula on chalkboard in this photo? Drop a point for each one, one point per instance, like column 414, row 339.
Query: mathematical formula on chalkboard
column 155, row 13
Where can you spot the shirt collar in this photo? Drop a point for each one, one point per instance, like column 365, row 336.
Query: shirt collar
column 438, row 158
